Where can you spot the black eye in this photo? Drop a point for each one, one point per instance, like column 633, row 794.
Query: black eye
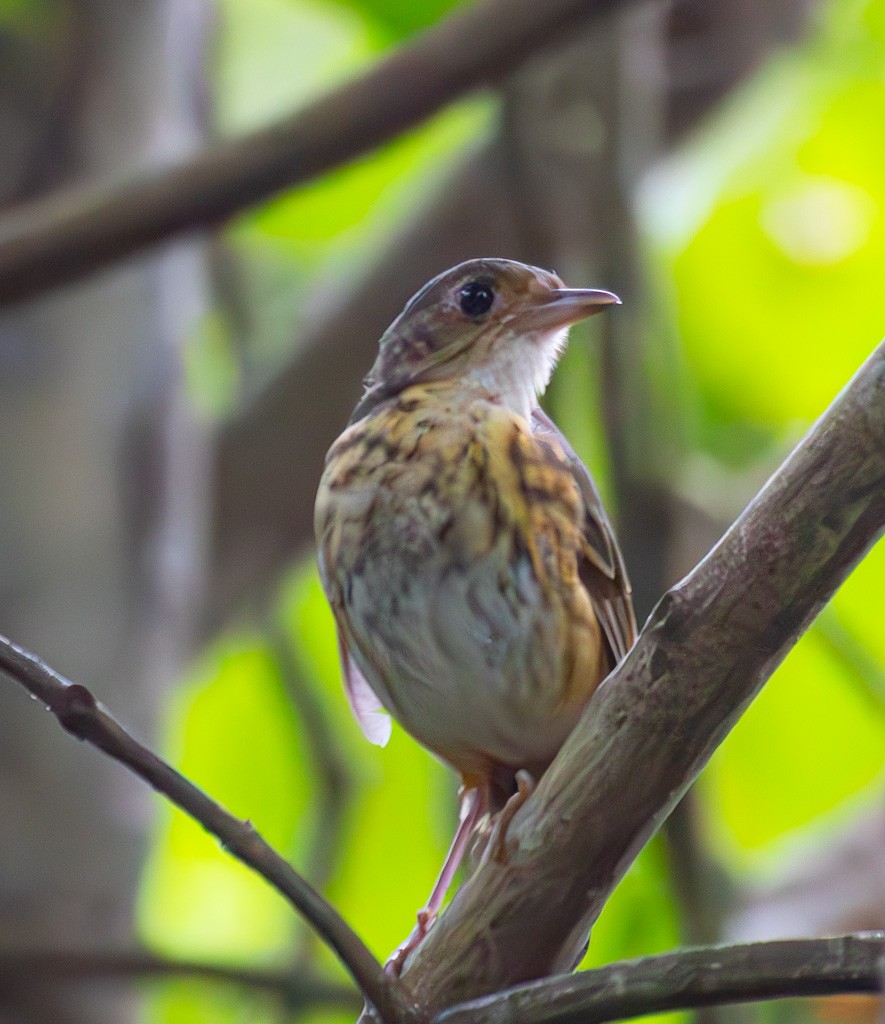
column 476, row 298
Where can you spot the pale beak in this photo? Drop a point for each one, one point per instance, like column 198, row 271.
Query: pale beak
column 562, row 307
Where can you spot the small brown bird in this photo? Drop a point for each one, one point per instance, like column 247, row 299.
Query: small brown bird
column 478, row 590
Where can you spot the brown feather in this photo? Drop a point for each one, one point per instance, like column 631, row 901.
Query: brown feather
column 602, row 571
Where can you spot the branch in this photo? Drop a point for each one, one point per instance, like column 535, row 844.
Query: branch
column 689, row 979
column 705, row 652
column 67, row 237
column 80, row 714
column 41, row 967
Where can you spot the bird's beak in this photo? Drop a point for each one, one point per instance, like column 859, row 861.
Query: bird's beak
column 561, row 307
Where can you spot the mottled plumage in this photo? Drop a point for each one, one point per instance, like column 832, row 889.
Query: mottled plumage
column 478, row 591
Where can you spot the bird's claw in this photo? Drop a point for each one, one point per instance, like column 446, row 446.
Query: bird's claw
column 397, row 959
column 496, row 847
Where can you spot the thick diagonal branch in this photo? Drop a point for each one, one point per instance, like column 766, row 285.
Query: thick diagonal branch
column 65, row 238
column 703, row 655
column 80, row 714
column 689, row 979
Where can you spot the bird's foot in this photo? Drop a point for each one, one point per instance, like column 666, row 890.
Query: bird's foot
column 398, row 957
column 496, row 847
column 473, row 804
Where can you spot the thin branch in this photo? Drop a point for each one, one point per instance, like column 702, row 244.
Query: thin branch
column 704, row 654
column 42, row 967
column 80, row 714
column 691, row 978
column 68, row 236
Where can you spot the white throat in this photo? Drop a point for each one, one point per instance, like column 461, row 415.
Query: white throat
column 522, row 370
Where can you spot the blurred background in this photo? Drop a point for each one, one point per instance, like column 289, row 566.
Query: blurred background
column 163, row 424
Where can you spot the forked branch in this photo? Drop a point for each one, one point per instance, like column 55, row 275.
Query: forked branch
column 703, row 655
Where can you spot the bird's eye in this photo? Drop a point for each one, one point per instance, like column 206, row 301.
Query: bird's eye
column 476, row 298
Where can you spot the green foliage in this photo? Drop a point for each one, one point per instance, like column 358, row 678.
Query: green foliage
column 574, row 403
column 625, row 928
column 397, row 18
column 29, row 18
column 211, row 372
column 770, row 231
column 813, row 738
column 262, row 42
column 232, row 730
column 183, row 1003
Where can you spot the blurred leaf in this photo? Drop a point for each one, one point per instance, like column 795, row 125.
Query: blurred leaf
column 33, row 18
column 211, row 371
column 772, row 226
column 191, row 1003
column 810, row 741
column 859, row 603
column 640, row 918
column 304, row 251
column 402, row 17
column 275, row 55
column 574, row 401
column 359, row 203
column 299, row 251
column 232, row 731
column 353, row 204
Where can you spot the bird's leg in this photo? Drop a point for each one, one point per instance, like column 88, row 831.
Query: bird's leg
column 496, row 847
column 473, row 802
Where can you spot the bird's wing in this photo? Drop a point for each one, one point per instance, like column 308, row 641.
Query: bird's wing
column 367, row 709
column 602, row 571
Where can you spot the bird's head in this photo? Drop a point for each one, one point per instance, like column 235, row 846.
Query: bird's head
column 494, row 327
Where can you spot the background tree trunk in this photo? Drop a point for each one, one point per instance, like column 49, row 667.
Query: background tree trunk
column 84, row 372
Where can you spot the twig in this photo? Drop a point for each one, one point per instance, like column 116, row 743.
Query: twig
column 71, row 235
column 686, row 979
column 80, row 714
column 41, row 967
column 705, row 652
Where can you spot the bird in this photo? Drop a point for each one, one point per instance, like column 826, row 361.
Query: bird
column 478, row 592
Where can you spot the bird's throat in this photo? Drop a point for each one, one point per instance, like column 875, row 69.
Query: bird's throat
column 519, row 373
